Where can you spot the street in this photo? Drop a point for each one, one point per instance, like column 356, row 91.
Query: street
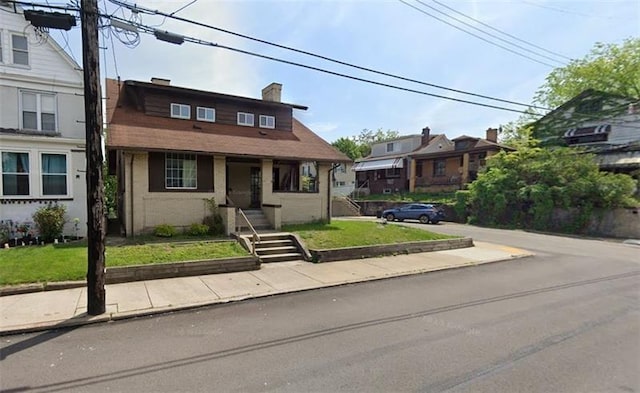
column 565, row 320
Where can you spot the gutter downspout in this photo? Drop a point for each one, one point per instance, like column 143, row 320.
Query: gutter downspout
column 329, row 183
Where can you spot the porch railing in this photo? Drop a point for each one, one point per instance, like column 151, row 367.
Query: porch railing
column 357, row 191
column 254, row 235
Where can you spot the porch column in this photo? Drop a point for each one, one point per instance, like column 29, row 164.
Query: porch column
column 412, row 176
column 267, row 182
column 219, row 179
column 465, row 168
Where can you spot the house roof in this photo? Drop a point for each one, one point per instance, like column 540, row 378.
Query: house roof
column 448, row 147
column 129, row 129
column 584, row 94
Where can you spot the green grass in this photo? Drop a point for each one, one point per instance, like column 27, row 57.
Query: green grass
column 65, row 262
column 340, row 234
column 440, row 197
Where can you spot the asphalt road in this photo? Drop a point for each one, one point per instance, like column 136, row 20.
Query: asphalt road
column 566, row 320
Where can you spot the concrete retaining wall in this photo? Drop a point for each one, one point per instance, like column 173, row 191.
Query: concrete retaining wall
column 388, row 249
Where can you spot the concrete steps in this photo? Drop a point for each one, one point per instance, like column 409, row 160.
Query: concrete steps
column 276, row 247
column 257, row 219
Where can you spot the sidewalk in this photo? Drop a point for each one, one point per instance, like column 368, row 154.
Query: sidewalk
column 53, row 309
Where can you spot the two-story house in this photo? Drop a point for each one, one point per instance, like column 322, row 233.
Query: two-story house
column 386, row 169
column 173, row 147
column 42, row 137
column 605, row 124
column 447, row 165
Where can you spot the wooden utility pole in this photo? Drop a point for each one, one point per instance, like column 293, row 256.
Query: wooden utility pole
column 96, row 302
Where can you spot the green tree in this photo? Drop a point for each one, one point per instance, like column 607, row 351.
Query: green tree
column 523, row 187
column 610, row 68
column 349, row 147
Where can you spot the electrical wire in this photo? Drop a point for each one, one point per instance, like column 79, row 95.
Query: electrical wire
column 475, row 35
column 490, row 34
column 137, row 8
column 500, row 31
column 151, row 31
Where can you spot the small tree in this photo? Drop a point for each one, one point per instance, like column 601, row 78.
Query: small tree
column 50, row 221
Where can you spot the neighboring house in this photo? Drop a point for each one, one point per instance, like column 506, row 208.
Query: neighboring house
column 602, row 123
column 344, row 180
column 447, row 165
column 42, row 137
column 386, row 169
column 173, row 147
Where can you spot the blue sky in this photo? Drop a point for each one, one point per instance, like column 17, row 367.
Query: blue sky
column 384, row 35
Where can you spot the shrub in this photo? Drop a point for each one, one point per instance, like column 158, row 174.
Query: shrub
column 461, row 205
column 164, row 230
column 198, row 229
column 50, row 221
column 5, row 231
column 214, row 220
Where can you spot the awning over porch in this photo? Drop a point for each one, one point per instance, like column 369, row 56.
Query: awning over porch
column 373, row 165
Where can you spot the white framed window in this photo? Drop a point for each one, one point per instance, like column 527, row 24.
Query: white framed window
column 245, row 119
column 180, row 171
column 206, row 114
column 20, row 49
column 1, row 47
column 181, row 111
column 267, row 121
column 389, row 147
column 38, row 111
column 15, row 173
column 54, row 174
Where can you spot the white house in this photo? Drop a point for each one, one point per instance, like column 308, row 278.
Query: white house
column 42, row 138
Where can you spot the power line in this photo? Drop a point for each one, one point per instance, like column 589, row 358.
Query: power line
column 500, row 31
column 475, row 35
column 151, row 31
column 137, row 8
column 490, row 34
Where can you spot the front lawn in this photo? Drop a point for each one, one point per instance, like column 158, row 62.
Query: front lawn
column 63, row 262
column 340, row 234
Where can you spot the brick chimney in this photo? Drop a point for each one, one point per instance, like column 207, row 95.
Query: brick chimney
column 492, row 135
column 273, row 92
column 425, row 136
column 161, row 81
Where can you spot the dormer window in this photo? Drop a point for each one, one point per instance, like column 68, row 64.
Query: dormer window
column 206, row 114
column 181, row 111
column 389, row 147
column 267, row 121
column 20, row 49
column 245, row 119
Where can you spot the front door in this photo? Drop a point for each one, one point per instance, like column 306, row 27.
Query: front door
column 256, row 186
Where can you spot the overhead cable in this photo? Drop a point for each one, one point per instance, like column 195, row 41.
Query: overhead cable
column 137, row 8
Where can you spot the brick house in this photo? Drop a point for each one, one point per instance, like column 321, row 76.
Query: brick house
column 447, row 165
column 172, row 147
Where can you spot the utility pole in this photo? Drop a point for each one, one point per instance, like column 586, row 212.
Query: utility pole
column 96, row 301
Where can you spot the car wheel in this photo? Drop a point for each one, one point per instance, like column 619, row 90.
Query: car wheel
column 434, row 222
column 390, row 217
column 424, row 219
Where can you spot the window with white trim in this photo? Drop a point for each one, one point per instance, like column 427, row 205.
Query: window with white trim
column 389, row 147
column 38, row 111
column 267, row 121
column 181, row 111
column 0, row 47
column 205, row 114
column 20, row 49
column 54, row 174
column 245, row 119
column 180, row 171
column 15, row 173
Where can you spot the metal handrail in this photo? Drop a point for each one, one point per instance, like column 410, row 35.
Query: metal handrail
column 255, row 237
column 353, row 203
column 365, row 184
